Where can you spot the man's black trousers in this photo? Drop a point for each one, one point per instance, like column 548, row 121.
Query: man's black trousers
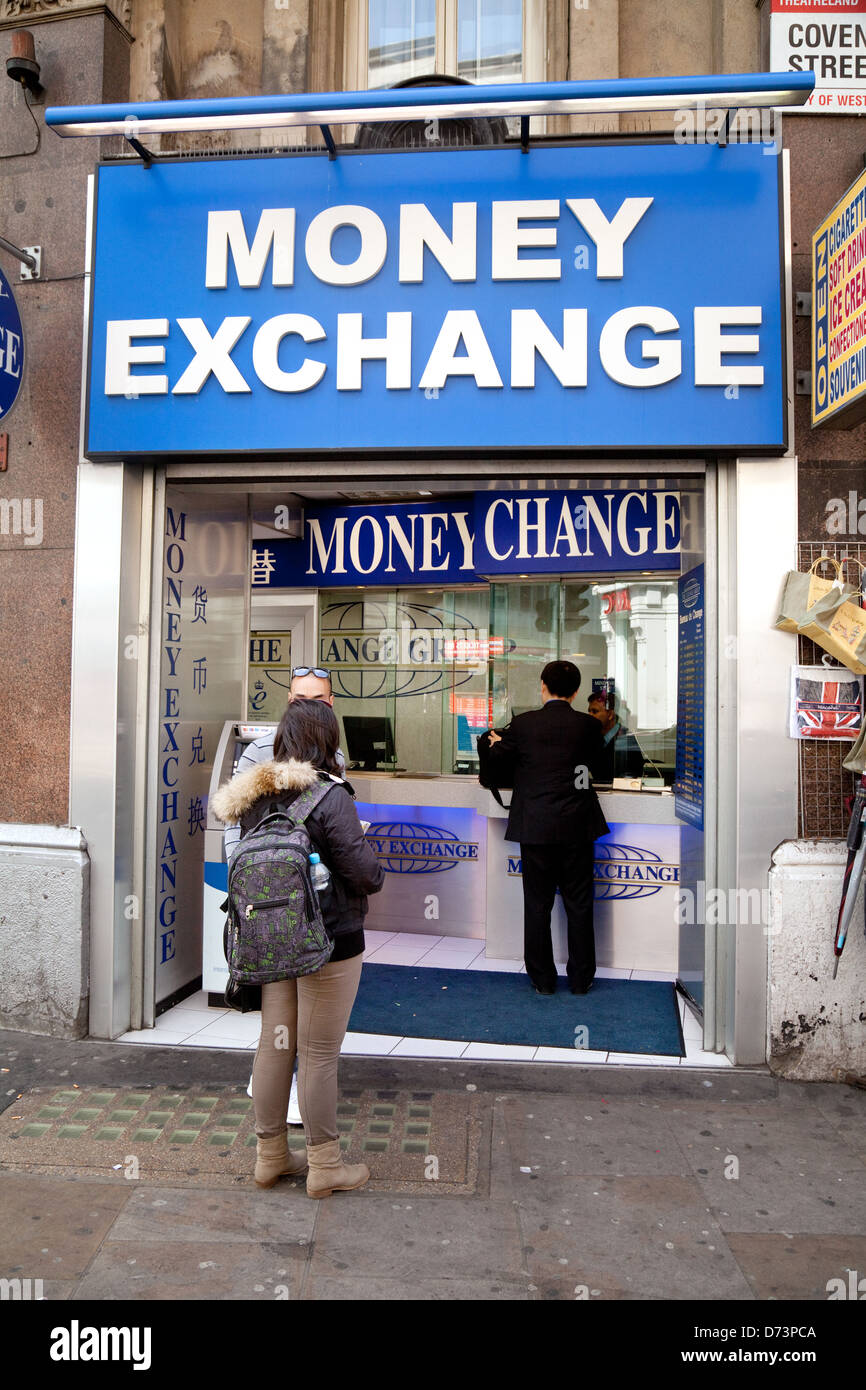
column 569, row 868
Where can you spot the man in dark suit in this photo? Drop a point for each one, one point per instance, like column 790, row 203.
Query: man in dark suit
column 556, row 817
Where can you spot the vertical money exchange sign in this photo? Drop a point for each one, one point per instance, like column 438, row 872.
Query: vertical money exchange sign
column 689, row 778
column 839, row 312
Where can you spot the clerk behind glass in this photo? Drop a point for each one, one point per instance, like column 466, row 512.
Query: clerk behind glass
column 622, row 756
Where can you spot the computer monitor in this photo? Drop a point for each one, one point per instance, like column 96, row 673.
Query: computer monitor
column 369, row 739
column 466, row 738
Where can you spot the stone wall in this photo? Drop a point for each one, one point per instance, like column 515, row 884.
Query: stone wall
column 44, row 937
column 816, row 1023
column 83, row 57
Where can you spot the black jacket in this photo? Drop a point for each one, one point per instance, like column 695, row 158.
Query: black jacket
column 333, row 826
column 548, row 748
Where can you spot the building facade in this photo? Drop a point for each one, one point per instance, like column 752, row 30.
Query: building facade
column 91, row 642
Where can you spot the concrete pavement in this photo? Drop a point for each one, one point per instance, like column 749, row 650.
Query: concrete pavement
column 489, row 1182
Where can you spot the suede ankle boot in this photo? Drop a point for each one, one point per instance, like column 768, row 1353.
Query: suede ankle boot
column 328, row 1173
column 273, row 1160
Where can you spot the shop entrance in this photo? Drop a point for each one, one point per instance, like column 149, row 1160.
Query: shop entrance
column 418, row 671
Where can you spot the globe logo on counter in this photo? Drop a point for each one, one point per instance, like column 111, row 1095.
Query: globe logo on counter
column 405, row 847
column 626, row 871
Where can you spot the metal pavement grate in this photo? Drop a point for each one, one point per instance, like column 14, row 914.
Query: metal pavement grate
column 410, row 1141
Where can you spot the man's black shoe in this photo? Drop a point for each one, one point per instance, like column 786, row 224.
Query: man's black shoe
column 574, row 989
column 540, row 989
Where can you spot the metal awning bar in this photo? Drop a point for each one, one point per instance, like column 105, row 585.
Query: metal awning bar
column 23, row 256
column 714, row 91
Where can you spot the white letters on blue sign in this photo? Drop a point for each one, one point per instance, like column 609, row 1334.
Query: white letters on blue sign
column 537, row 528
column 461, row 348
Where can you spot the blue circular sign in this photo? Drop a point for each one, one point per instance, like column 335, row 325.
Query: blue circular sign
column 11, row 348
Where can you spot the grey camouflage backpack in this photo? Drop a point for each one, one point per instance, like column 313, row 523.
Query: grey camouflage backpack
column 274, row 929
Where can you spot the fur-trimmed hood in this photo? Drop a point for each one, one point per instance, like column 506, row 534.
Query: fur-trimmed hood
column 265, row 779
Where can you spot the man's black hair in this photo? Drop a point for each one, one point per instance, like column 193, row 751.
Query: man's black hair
column 562, row 678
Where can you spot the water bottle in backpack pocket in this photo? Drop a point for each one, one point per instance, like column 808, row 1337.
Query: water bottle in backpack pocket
column 275, row 929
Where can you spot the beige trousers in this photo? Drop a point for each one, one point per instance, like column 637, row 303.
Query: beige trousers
column 307, row 1016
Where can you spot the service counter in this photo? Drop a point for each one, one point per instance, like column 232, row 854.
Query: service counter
column 450, row 871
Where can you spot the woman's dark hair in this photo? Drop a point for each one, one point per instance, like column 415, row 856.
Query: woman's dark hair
column 309, row 732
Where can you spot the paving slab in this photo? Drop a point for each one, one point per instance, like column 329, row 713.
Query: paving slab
column 363, row 1290
column 194, row 1271
column 776, row 1175
column 52, row 1228
column 798, row 1267
column 633, row 1237
column 811, row 1142
column 415, row 1238
column 282, row 1213
column 558, row 1137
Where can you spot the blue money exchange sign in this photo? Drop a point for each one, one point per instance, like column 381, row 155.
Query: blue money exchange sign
column 481, row 535
column 575, row 298
column 11, row 348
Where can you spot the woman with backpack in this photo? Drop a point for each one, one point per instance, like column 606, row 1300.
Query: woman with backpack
column 308, row 1014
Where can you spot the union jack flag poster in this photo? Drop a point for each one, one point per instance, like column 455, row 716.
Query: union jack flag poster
column 826, row 702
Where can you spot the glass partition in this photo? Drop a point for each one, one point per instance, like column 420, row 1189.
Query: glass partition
column 409, row 674
column 418, row 674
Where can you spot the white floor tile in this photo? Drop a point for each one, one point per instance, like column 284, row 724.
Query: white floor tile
column 693, row 1030
column 245, row 1027
column 161, row 1038
column 697, row 1058
column 428, row 1047
column 641, row 1059
column 653, row 975
column 214, row 1040
column 499, row 1052
column 576, row 1056
column 399, row 955
column 611, row 972
column 512, row 967
column 198, row 1001
column 178, row 1020
column 461, row 945
column 375, row 939
column 411, row 938
column 368, row 1044
column 445, row 960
